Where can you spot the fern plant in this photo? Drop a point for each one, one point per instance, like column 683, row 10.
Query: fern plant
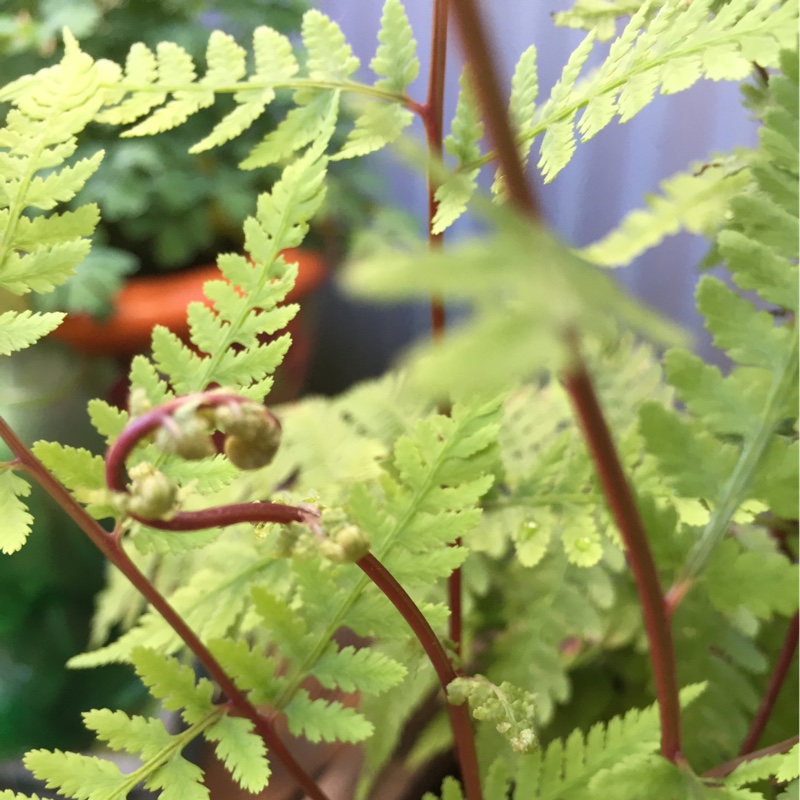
column 538, row 499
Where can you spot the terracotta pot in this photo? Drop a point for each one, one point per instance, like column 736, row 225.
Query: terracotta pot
column 162, row 300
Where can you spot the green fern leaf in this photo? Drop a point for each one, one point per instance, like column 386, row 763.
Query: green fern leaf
column 81, row 472
column 729, row 405
column 782, row 766
column 564, row 768
column 397, row 65
column 749, row 337
column 319, row 720
column 178, row 779
column 21, row 330
column 376, row 127
column 363, row 670
column 298, row 128
column 671, row 50
column 462, row 143
column 521, row 107
column 37, row 254
column 564, row 602
column 274, row 63
column 283, row 623
column 81, row 777
column 498, row 781
column 239, row 317
column 330, row 58
column 451, row 790
column 771, row 577
column 211, row 601
column 695, row 201
column 141, row 68
column 175, row 66
column 226, row 60
column 109, row 421
column 17, row 519
column 395, row 60
column 250, row 668
column 242, row 751
column 174, row 684
column 598, row 15
column 136, row 735
column 696, row 463
column 757, row 267
column 558, row 144
column 145, row 377
column 660, row 777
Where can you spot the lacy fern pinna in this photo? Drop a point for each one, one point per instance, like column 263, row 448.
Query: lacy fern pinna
column 508, row 521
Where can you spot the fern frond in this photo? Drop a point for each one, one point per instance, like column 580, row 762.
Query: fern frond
column 41, row 252
column 82, row 472
column 558, row 143
column 226, row 333
column 771, row 579
column 81, row 777
column 212, row 601
column 695, row 201
column 397, row 65
column 322, row 720
column 463, row 144
column 330, row 57
column 18, row 519
column 274, row 63
column 669, row 51
column 451, row 790
column 175, row 66
column 598, row 15
column 566, row 602
column 141, row 69
column 651, row 773
column 396, row 59
column 753, row 405
column 19, row 330
column 564, row 768
column 521, row 107
column 781, row 766
column 242, row 752
column 364, row 670
column 162, row 765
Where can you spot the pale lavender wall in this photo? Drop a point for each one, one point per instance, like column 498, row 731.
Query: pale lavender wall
column 607, row 176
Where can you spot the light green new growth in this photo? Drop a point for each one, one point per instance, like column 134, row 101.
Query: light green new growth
column 510, row 708
column 694, row 201
column 39, row 252
column 397, row 65
column 598, row 15
column 521, row 108
column 17, row 519
column 453, row 196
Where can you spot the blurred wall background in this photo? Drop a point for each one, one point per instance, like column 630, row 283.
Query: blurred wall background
column 607, row 177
